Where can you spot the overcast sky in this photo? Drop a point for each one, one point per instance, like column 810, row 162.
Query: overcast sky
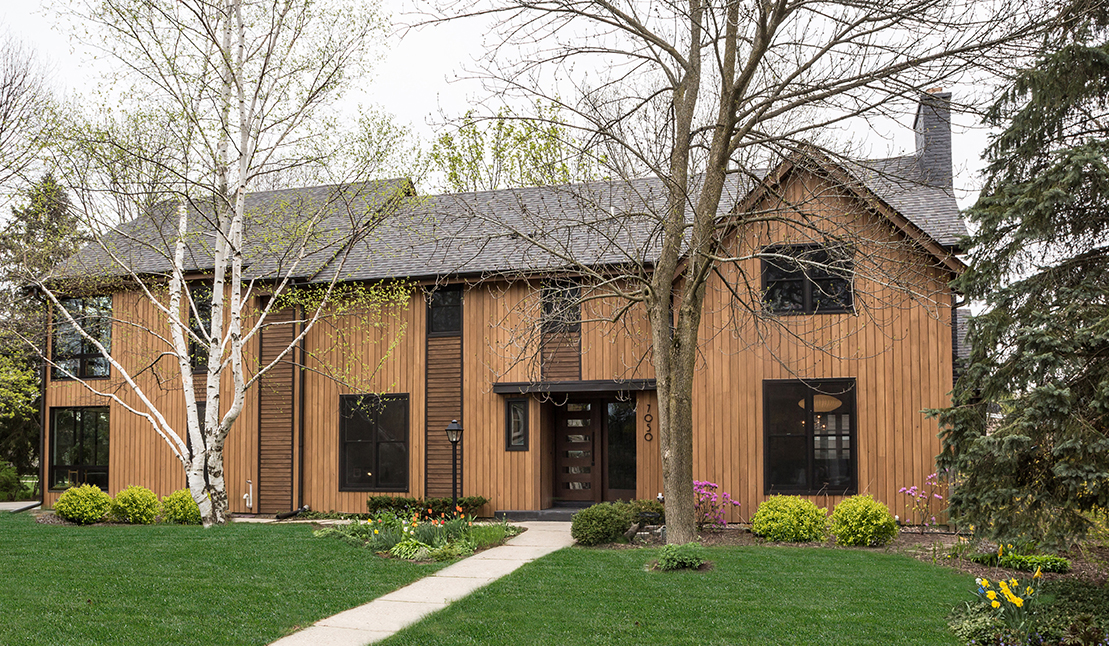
column 413, row 81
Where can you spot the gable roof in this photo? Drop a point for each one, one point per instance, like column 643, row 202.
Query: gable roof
column 379, row 230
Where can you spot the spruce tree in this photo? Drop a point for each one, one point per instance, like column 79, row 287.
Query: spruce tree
column 1026, row 444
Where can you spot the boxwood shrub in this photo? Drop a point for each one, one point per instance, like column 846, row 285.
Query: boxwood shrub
column 438, row 506
column 83, row 505
column 135, row 505
column 679, row 557
column 179, row 507
column 789, row 519
column 602, row 523
column 862, row 520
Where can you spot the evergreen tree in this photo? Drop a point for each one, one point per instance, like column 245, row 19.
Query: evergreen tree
column 39, row 235
column 1027, row 441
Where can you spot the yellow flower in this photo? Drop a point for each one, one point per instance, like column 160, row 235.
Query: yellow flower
column 375, row 531
column 1038, row 573
column 1017, row 601
column 999, row 548
column 1029, row 591
column 1013, row 583
column 991, row 595
column 996, row 604
column 985, row 583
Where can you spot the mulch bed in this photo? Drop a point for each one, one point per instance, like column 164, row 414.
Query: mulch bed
column 1089, row 562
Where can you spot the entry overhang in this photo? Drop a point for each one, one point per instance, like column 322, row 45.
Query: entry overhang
column 593, row 386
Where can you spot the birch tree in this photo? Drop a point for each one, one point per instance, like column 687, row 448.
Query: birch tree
column 219, row 97
column 696, row 94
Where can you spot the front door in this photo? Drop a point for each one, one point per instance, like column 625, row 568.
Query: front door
column 594, row 450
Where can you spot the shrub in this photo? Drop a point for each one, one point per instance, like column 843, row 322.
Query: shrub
column 601, row 523
column 1023, row 562
column 11, row 487
column 135, row 505
column 862, row 520
column 710, row 506
column 789, row 519
column 179, row 507
column 678, row 557
column 83, row 505
column 430, row 508
column 648, row 506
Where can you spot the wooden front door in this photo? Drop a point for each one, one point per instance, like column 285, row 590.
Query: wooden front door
column 577, row 476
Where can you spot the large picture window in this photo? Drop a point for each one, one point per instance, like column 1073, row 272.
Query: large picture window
column 807, row 279
column 373, row 432
column 74, row 355
column 78, row 447
column 810, row 436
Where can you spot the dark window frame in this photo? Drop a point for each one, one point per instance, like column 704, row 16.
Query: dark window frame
column 346, row 411
column 560, row 300
column 809, row 274
column 83, row 469
column 508, row 406
column 435, row 302
column 844, row 387
column 88, row 354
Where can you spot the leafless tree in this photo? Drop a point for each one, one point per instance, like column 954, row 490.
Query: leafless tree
column 24, row 99
column 702, row 97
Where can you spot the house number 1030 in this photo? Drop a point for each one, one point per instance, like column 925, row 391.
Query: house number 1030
column 647, row 419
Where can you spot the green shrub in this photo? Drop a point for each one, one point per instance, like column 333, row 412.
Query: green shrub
column 789, row 519
column 678, row 557
column 601, row 523
column 648, row 505
column 11, row 487
column 83, row 505
column 862, row 520
column 135, row 505
column 429, row 508
column 179, row 507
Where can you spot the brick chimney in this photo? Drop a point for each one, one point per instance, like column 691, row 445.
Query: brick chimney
column 933, row 137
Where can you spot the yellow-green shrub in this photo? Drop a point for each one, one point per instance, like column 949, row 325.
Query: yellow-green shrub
column 83, row 505
column 862, row 520
column 179, row 507
column 789, row 519
column 135, row 505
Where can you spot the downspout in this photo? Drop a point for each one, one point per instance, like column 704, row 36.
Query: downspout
column 300, row 416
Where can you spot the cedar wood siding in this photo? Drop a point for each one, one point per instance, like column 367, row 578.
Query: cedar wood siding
column 899, row 353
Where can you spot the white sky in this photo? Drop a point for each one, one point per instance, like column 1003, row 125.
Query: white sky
column 412, row 82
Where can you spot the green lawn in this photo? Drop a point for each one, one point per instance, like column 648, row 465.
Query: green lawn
column 754, row 595
column 128, row 585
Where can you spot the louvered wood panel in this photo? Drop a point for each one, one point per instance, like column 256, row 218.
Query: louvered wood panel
column 275, row 419
column 561, row 356
column 444, row 403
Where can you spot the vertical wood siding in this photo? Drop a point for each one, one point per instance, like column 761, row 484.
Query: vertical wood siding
column 276, row 406
column 444, row 403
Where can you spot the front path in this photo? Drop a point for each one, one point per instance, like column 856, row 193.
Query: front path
column 390, row 613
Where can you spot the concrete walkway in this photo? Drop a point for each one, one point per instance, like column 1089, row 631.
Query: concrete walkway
column 388, row 614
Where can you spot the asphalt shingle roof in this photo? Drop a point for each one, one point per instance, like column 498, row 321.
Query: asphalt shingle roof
column 381, row 230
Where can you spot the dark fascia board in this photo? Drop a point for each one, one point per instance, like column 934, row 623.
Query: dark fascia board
column 594, row 386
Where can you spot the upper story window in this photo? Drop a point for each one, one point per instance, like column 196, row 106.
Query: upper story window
column 73, row 354
column 807, row 279
column 444, row 311
column 561, row 306
column 200, row 322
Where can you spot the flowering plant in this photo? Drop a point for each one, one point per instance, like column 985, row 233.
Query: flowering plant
column 710, row 506
column 1011, row 599
column 920, row 501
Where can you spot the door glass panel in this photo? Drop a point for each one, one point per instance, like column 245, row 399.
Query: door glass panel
column 577, row 423
column 579, row 454
column 577, row 408
column 577, row 469
column 621, row 445
column 577, row 438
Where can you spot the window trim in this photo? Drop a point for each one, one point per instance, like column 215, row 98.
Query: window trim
column 849, row 385
column 407, row 441
column 430, row 307
column 82, row 358
column 82, row 470
column 508, row 405
column 808, row 283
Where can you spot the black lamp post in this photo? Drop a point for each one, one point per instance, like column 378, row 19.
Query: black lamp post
column 454, row 434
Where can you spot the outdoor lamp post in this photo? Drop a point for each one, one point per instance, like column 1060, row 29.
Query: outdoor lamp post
column 454, row 434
